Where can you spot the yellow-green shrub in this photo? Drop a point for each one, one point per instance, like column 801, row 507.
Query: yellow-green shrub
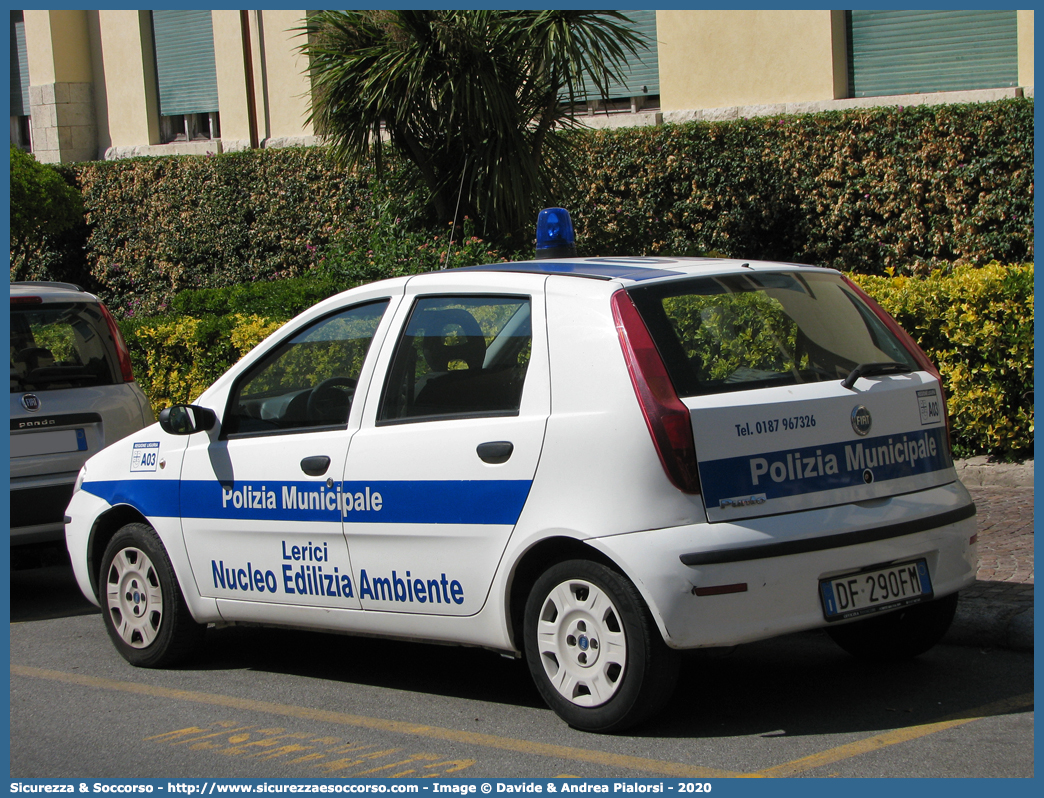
column 977, row 326
column 176, row 358
column 248, row 331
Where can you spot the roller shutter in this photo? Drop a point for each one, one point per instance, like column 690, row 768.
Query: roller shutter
column 185, row 63
column 916, row 52
column 643, row 70
column 19, row 67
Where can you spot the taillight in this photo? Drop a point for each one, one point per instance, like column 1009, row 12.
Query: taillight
column 909, row 343
column 26, row 300
column 122, row 352
column 667, row 418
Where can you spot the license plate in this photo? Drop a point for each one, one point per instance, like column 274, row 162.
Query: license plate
column 50, row 442
column 872, row 591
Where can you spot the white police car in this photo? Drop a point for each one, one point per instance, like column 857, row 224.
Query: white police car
column 592, row 462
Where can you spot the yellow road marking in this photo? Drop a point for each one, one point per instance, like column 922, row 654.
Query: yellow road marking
column 653, row 766
column 879, row 741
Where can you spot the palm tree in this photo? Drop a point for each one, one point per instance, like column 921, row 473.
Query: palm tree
column 477, row 101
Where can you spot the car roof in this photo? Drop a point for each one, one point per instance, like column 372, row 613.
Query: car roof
column 53, row 292
column 635, row 269
column 621, row 270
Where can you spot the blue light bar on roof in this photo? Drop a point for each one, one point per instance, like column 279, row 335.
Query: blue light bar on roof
column 554, row 234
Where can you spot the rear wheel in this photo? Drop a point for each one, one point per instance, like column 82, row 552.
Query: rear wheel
column 144, row 612
column 898, row 635
column 593, row 649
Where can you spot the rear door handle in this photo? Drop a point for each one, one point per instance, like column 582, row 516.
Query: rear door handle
column 315, row 466
column 495, row 452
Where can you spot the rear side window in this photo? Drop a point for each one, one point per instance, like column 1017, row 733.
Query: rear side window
column 55, row 346
column 740, row 332
column 459, row 356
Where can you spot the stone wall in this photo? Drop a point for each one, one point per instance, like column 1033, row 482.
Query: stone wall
column 63, row 122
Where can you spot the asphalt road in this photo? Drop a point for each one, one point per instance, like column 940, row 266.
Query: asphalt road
column 287, row 704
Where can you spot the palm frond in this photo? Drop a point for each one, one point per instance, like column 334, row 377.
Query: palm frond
column 472, row 98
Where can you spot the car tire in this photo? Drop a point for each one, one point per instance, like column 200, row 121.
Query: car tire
column 144, row 611
column 593, row 649
column 898, row 635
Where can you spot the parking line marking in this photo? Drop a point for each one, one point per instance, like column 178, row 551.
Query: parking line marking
column 879, row 741
column 653, row 766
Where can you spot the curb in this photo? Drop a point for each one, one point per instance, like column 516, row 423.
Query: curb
column 990, row 623
column 980, row 472
column 1004, row 620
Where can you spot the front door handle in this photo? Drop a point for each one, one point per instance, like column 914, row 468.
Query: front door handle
column 495, row 452
column 315, row 466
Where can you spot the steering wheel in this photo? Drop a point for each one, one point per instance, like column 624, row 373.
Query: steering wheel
column 327, row 403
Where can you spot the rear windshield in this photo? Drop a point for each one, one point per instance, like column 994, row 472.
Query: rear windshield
column 746, row 331
column 56, row 346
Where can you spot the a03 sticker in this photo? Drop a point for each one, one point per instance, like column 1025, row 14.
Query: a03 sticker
column 929, row 406
column 145, row 456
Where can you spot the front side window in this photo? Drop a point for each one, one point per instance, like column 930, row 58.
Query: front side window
column 459, row 357
column 309, row 380
column 55, row 346
column 738, row 332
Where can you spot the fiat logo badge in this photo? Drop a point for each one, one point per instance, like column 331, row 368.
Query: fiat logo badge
column 861, row 421
column 31, row 402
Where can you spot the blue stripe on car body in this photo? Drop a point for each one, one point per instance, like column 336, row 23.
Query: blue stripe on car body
column 496, row 502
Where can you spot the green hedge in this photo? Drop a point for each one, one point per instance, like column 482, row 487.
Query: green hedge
column 976, row 324
column 862, row 191
column 282, row 299
column 884, row 191
column 866, row 191
column 160, row 225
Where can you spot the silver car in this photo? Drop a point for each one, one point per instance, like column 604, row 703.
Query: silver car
column 72, row 394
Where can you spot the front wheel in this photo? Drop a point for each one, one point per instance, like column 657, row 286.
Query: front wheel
column 897, row 635
column 144, row 612
column 593, row 649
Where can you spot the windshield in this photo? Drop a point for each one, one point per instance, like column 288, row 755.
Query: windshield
column 56, row 346
column 747, row 331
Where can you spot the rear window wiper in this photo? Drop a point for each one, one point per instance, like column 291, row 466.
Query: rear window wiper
column 873, row 370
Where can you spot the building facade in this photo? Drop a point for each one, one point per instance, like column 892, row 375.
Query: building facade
column 113, row 84
column 727, row 64
column 116, row 84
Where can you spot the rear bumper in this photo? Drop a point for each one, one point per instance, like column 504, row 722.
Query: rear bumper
column 725, row 584
column 37, row 533
column 38, row 513
column 762, row 551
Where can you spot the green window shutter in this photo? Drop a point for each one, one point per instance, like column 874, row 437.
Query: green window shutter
column 642, row 71
column 644, row 76
column 185, row 63
column 19, row 67
column 916, row 52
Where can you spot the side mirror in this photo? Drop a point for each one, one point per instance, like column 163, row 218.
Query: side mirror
column 186, row 419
